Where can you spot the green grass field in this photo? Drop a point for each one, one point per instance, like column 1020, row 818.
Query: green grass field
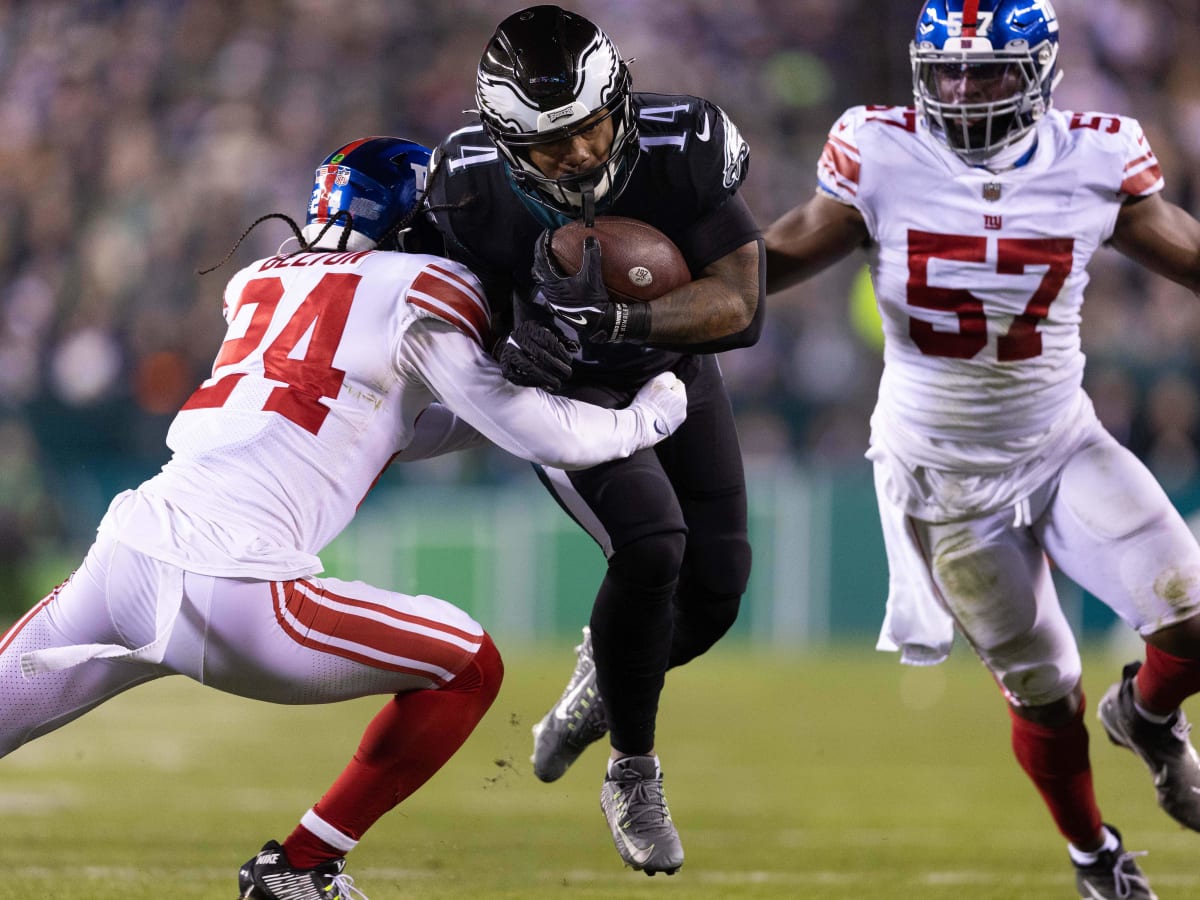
column 831, row 774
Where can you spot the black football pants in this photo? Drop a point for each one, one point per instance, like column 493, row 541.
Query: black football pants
column 673, row 523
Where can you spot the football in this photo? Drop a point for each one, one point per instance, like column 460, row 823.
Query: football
column 637, row 261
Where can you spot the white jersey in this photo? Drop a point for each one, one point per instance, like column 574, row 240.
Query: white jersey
column 979, row 278
column 328, row 362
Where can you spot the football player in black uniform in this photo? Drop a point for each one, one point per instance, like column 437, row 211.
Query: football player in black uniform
column 563, row 137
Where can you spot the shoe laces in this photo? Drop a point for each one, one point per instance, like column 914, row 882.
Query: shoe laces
column 645, row 805
column 583, row 661
column 1124, row 881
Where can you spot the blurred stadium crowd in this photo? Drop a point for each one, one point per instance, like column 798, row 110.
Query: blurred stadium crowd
column 140, row 139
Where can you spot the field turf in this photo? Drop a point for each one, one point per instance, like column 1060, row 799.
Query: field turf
column 825, row 774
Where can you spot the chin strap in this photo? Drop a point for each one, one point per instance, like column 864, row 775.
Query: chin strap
column 589, row 205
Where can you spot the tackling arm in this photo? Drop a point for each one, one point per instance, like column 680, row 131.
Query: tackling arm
column 809, row 238
column 528, row 422
column 1160, row 236
column 436, row 432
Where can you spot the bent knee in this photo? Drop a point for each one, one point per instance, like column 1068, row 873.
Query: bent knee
column 483, row 674
column 653, row 559
column 1040, row 685
column 1034, row 673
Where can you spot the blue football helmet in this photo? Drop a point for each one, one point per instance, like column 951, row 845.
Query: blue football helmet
column 368, row 186
column 983, row 71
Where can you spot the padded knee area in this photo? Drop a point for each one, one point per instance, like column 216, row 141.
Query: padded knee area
column 483, row 675
column 709, row 596
column 1038, row 684
column 650, row 561
column 1035, row 667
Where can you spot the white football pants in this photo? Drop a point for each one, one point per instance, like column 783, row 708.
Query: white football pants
column 1107, row 524
column 124, row 618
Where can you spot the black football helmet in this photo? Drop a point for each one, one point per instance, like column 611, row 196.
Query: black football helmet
column 544, row 73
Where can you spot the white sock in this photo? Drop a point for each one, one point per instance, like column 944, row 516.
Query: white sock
column 1083, row 858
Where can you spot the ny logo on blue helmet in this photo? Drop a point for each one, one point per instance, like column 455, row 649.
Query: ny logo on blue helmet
column 364, row 191
column 983, row 71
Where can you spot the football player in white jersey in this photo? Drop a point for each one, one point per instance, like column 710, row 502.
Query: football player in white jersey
column 979, row 210
column 339, row 358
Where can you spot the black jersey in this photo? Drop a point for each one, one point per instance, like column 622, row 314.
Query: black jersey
column 692, row 160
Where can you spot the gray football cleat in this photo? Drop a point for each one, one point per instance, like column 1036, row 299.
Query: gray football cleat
column 1165, row 749
column 636, row 809
column 269, row 876
column 1114, row 875
column 576, row 721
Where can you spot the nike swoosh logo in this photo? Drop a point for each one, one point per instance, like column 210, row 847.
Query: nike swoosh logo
column 577, row 320
column 560, row 711
column 704, row 133
column 658, row 426
column 638, row 856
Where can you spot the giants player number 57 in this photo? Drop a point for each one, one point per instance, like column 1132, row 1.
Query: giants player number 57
column 980, row 208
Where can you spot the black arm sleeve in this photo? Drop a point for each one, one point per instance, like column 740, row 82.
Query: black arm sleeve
column 719, row 233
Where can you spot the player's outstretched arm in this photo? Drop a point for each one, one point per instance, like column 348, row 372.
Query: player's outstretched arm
column 437, row 432
column 528, row 422
column 1160, row 236
column 809, row 238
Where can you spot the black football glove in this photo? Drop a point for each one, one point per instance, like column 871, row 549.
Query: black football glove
column 581, row 301
column 536, row 356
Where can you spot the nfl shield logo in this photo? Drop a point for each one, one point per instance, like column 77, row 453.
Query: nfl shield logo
column 991, row 191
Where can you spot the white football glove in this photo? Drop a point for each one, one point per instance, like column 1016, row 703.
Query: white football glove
column 662, row 401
